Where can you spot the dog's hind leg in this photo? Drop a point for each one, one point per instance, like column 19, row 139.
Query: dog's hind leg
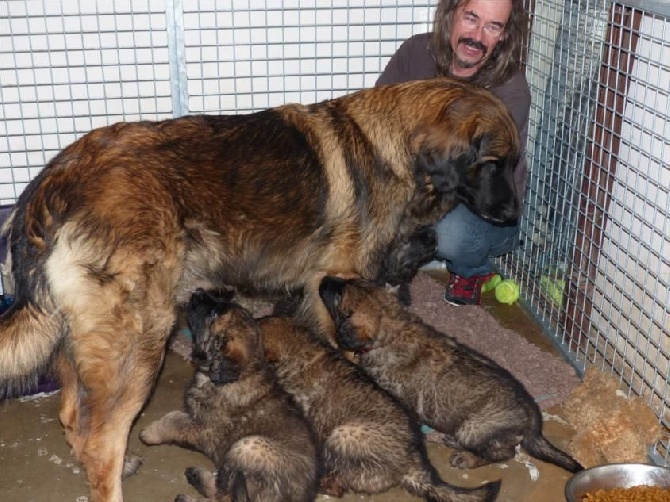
column 118, row 343
column 69, row 406
column 108, row 409
column 69, row 411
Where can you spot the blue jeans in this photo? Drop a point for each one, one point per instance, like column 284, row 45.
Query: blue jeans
column 466, row 242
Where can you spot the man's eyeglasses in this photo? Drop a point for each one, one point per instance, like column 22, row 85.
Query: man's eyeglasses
column 471, row 21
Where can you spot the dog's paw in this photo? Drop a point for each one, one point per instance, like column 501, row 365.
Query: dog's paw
column 151, row 435
column 331, row 485
column 165, row 430
column 131, row 464
column 466, row 460
column 203, row 480
column 185, row 498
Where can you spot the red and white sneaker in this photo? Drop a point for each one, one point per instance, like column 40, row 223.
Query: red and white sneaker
column 465, row 290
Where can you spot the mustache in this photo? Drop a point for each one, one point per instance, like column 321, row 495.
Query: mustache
column 473, row 43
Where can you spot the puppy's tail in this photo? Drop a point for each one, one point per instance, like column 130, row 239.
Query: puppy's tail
column 29, row 336
column 239, row 492
column 432, row 489
column 538, row 446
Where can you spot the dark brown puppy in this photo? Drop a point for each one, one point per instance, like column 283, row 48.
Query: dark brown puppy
column 238, row 416
column 484, row 411
column 125, row 223
column 369, row 443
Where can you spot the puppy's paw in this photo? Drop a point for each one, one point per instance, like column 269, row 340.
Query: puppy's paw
column 131, row 464
column 185, row 498
column 165, row 430
column 466, row 460
column 151, row 434
column 331, row 485
column 203, row 480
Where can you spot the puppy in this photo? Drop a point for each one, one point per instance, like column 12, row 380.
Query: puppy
column 484, row 411
column 368, row 442
column 238, row 416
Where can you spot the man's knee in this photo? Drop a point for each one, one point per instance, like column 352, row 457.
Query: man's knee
column 457, row 235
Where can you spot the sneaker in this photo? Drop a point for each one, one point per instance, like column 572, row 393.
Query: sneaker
column 465, row 291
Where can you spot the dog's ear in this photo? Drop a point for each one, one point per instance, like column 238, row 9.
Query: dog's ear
column 443, row 158
column 331, row 290
column 226, row 372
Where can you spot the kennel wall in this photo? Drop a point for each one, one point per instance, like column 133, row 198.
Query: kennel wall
column 594, row 262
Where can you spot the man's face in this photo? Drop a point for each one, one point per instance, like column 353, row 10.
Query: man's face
column 476, row 29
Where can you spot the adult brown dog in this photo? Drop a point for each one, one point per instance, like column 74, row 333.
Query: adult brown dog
column 369, row 443
column 125, row 223
column 238, row 415
column 482, row 409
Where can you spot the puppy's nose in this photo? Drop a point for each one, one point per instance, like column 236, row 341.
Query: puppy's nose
column 199, row 357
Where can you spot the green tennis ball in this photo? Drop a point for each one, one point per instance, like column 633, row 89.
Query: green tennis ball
column 491, row 284
column 507, row 291
column 553, row 288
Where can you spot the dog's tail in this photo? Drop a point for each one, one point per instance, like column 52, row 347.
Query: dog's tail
column 539, row 447
column 29, row 336
column 432, row 489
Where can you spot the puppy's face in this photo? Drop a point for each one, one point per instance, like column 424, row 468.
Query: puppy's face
column 225, row 338
column 357, row 307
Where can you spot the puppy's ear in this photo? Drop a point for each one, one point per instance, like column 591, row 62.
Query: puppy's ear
column 330, row 290
column 199, row 306
column 225, row 373
column 225, row 295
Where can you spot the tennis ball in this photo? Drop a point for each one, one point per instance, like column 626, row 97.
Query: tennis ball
column 507, row 291
column 553, row 288
column 491, row 284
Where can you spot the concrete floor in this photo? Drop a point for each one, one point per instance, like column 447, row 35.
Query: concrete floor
column 35, row 464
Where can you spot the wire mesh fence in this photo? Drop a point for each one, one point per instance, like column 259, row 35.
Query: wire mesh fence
column 594, row 265
column 595, row 261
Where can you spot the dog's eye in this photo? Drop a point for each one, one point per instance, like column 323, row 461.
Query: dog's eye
column 220, row 343
column 344, row 315
column 495, row 165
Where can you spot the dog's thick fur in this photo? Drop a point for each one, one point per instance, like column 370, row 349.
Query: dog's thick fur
column 128, row 221
column 369, row 443
column 238, row 415
column 484, row 411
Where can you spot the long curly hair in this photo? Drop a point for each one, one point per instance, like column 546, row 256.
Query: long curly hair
column 505, row 58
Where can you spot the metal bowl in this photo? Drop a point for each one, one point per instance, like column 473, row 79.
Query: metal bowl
column 615, row 476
